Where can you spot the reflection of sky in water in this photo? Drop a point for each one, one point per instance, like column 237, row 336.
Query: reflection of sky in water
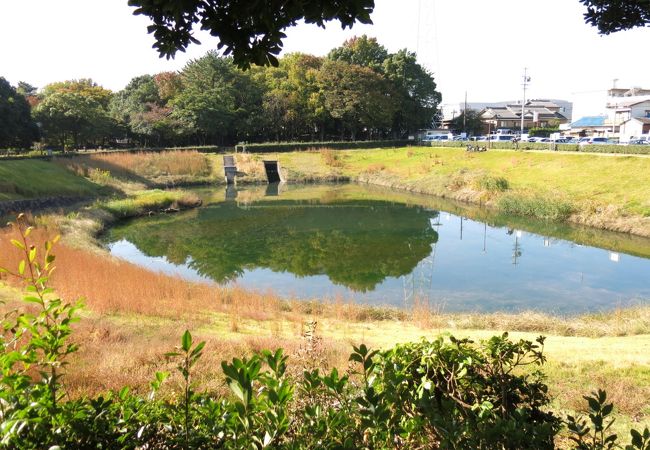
column 126, row 250
column 550, row 275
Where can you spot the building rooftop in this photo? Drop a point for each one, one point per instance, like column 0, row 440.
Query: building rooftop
column 590, row 121
column 616, row 104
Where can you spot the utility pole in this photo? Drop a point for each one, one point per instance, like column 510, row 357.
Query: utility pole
column 465, row 116
column 523, row 103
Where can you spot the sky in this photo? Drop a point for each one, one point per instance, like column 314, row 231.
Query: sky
column 476, row 47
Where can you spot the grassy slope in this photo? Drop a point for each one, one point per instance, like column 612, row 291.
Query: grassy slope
column 604, row 191
column 583, row 178
column 33, row 178
column 589, row 181
column 623, row 181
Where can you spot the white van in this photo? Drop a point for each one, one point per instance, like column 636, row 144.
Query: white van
column 640, row 140
column 501, row 137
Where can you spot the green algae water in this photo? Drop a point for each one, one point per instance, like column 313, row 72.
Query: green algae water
column 381, row 247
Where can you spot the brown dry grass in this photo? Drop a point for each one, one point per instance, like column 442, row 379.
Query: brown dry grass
column 250, row 165
column 330, row 157
column 165, row 166
column 112, row 286
column 119, row 351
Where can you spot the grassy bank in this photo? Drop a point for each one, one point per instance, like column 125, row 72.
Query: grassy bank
column 101, row 174
column 603, row 191
column 142, row 170
column 33, row 179
column 150, row 202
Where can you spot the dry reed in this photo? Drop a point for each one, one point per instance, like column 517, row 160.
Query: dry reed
column 330, row 157
column 134, row 165
column 250, row 166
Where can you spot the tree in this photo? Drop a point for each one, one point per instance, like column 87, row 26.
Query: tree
column 26, row 89
column 610, row 16
column 85, row 87
column 219, row 102
column 131, row 107
column 360, row 98
column 169, row 85
column 17, row 129
column 469, row 121
column 417, row 98
column 288, row 90
column 362, row 51
column 74, row 112
column 250, row 31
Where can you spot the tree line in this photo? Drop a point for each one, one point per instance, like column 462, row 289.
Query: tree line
column 358, row 91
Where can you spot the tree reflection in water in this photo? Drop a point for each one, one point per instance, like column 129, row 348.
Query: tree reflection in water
column 357, row 244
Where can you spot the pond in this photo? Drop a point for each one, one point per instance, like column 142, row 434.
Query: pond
column 381, row 247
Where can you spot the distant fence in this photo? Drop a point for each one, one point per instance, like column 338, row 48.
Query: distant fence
column 507, row 145
column 32, row 154
column 279, row 147
column 268, row 147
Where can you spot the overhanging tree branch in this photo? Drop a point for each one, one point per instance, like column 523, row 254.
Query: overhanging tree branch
column 250, row 30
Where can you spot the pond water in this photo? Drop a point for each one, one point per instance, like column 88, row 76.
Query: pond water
column 381, row 247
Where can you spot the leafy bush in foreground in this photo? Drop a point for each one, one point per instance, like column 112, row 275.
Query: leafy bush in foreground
column 446, row 393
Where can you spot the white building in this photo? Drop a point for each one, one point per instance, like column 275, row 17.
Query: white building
column 629, row 111
column 634, row 127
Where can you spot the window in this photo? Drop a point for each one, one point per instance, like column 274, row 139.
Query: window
column 647, row 113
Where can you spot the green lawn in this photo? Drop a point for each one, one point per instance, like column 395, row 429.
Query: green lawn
column 617, row 180
column 604, row 191
column 35, row 178
column 585, row 179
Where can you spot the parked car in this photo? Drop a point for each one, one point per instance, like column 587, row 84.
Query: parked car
column 598, row 141
column 501, row 137
column 641, row 140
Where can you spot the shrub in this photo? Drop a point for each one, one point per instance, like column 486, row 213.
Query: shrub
column 620, row 149
column 493, row 184
column 538, row 207
column 336, row 145
column 330, row 157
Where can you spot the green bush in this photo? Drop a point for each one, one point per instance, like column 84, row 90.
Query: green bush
column 336, row 145
column 538, row 207
column 619, row 149
column 493, row 184
column 542, row 131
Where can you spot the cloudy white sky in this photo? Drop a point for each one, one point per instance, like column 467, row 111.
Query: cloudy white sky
column 474, row 46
